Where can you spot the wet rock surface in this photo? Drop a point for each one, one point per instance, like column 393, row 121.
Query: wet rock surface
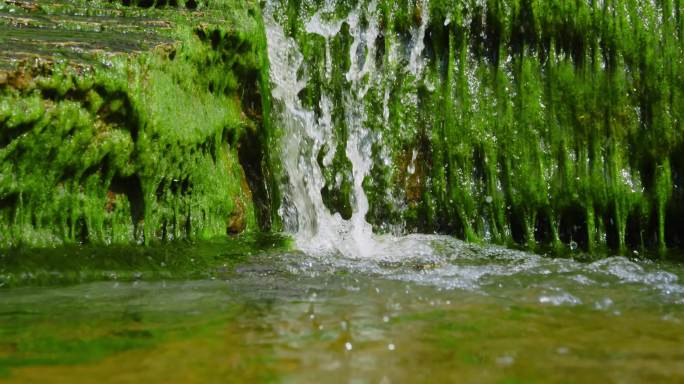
column 74, row 32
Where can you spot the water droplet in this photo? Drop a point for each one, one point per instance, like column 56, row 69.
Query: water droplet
column 505, row 360
column 562, row 350
column 603, row 303
column 559, row 299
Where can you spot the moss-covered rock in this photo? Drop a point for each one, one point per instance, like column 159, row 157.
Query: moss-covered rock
column 534, row 123
column 138, row 147
column 538, row 123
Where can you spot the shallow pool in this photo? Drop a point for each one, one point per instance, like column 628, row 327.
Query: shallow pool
column 459, row 313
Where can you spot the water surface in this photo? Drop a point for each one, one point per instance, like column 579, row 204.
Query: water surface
column 437, row 310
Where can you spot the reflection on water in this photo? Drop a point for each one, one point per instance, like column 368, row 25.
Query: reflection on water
column 459, row 313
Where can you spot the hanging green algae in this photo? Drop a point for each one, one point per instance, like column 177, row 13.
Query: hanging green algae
column 538, row 123
column 137, row 147
column 532, row 123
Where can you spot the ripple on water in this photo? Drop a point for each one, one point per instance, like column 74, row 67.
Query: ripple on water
column 447, row 263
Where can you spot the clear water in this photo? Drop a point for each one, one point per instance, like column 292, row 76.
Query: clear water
column 460, row 313
column 350, row 306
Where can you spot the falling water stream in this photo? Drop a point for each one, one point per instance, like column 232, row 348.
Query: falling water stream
column 316, row 229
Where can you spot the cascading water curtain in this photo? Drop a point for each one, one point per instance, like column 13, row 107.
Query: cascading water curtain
column 542, row 123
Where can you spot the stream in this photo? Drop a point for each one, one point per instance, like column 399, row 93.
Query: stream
column 462, row 313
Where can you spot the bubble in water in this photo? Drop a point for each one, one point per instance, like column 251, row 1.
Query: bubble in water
column 348, row 346
column 603, row 303
column 391, row 347
column 564, row 298
column 505, row 360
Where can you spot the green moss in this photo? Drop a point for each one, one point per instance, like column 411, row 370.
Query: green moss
column 535, row 123
column 149, row 147
column 70, row 264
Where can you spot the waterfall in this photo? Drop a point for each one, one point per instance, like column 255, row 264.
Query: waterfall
column 305, row 136
column 493, row 121
column 316, row 229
